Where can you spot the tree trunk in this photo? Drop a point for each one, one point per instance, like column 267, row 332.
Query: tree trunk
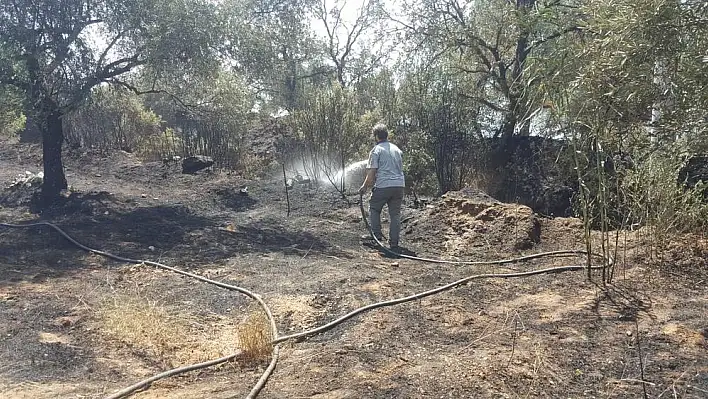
column 508, row 126
column 52, row 140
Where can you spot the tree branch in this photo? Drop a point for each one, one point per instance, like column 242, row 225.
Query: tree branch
column 62, row 44
column 153, row 90
column 313, row 74
column 114, row 68
column 539, row 42
column 483, row 101
column 467, row 70
column 108, row 48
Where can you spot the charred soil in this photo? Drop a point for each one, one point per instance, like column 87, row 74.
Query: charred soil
column 79, row 325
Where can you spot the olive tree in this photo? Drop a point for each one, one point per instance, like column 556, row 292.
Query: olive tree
column 500, row 47
column 56, row 51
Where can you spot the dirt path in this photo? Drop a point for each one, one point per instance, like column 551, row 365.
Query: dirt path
column 76, row 325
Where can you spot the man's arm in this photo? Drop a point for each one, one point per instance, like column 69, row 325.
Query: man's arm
column 369, row 180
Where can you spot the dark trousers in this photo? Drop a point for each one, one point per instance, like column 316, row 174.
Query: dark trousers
column 393, row 197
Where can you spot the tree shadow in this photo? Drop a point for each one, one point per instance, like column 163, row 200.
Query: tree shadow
column 273, row 235
column 626, row 302
column 36, row 253
column 173, row 234
column 15, row 197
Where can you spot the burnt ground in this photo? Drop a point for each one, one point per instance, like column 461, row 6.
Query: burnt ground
column 76, row 325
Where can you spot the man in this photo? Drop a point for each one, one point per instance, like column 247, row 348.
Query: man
column 385, row 173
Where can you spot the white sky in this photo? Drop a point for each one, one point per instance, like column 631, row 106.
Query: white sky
column 350, row 11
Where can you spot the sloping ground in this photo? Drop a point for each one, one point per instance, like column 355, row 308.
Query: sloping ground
column 78, row 325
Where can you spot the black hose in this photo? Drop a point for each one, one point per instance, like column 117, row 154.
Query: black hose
column 144, row 383
column 276, row 339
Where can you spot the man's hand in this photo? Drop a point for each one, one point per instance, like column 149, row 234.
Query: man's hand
column 368, row 181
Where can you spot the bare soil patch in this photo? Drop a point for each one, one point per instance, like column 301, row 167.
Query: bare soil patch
column 77, row 325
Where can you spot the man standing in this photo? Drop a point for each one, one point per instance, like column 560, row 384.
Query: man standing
column 385, row 173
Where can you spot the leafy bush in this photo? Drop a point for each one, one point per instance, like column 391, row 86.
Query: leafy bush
column 419, row 163
column 112, row 118
column 331, row 134
column 12, row 120
column 208, row 116
column 656, row 199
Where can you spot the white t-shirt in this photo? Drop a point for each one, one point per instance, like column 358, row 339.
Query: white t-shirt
column 387, row 159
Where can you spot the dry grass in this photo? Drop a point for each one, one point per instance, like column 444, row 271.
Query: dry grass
column 165, row 334
column 254, row 336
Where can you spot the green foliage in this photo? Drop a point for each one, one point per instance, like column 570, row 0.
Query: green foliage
column 612, row 77
column 160, row 146
column 418, row 162
column 633, row 94
column 440, row 125
column 498, row 50
column 57, row 51
column 331, row 134
column 273, row 48
column 209, row 114
column 377, row 93
column 640, row 56
column 112, row 118
column 12, row 119
column 656, row 199
column 73, row 45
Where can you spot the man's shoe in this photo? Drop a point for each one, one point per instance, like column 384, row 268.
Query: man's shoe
column 401, row 251
column 369, row 237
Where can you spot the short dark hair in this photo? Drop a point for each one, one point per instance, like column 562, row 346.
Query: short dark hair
column 380, row 131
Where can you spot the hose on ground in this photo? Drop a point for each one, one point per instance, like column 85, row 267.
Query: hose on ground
column 443, row 288
column 142, row 384
column 421, row 295
column 276, row 340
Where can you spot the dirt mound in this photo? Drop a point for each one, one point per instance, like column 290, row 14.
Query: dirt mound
column 470, row 222
column 688, row 255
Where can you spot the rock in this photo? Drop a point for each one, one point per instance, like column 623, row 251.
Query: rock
column 28, row 179
column 194, row 164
